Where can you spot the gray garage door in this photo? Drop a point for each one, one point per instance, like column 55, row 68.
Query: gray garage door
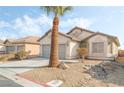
column 62, row 51
column 46, row 51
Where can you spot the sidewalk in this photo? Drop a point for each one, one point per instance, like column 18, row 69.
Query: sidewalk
column 12, row 69
column 21, row 81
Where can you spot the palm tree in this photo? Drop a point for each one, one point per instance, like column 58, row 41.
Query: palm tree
column 57, row 11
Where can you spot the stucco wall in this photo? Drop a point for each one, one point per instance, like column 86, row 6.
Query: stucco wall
column 2, row 48
column 33, row 48
column 70, row 45
column 61, row 40
column 109, row 50
column 115, row 49
column 98, row 38
column 112, row 49
column 73, row 49
column 47, row 39
column 80, row 34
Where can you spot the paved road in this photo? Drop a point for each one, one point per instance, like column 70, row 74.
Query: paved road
column 4, row 82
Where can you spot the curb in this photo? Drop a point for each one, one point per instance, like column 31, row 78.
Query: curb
column 21, row 81
column 42, row 84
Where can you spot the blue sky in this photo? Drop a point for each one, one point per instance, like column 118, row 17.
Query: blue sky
column 16, row 22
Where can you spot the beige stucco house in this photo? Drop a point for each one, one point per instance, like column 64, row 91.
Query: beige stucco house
column 99, row 45
column 29, row 44
column 67, row 45
column 2, row 47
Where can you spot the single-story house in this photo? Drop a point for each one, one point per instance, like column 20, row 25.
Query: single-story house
column 29, row 44
column 99, row 45
column 2, row 47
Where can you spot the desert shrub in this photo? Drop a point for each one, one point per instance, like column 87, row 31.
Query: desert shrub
column 3, row 58
column 120, row 59
column 121, row 53
column 6, row 57
column 82, row 53
column 21, row 55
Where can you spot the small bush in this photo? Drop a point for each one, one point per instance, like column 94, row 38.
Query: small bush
column 21, row 55
column 6, row 57
column 120, row 59
column 121, row 53
column 3, row 58
column 82, row 52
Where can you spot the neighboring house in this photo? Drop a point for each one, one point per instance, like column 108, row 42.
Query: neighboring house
column 99, row 45
column 2, row 47
column 29, row 44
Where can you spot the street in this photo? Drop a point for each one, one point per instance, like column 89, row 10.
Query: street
column 4, row 82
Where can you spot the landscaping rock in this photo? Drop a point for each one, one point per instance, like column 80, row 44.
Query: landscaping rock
column 87, row 67
column 98, row 72
column 63, row 66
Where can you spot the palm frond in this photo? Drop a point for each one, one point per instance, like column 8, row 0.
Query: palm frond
column 47, row 9
column 57, row 10
column 67, row 9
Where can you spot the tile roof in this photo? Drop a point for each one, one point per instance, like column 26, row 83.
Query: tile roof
column 82, row 29
column 28, row 39
column 1, row 42
column 66, row 35
column 114, row 38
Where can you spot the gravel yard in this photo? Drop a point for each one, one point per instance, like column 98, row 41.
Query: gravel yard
column 89, row 74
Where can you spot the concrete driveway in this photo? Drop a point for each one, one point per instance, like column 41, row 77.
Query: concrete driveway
column 25, row 65
column 28, row 64
column 11, row 69
column 5, row 82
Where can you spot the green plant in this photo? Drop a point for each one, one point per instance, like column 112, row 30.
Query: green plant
column 21, row 55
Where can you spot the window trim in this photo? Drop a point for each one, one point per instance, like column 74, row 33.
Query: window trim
column 98, row 47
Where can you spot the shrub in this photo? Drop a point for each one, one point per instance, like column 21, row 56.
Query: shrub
column 82, row 53
column 3, row 58
column 121, row 53
column 120, row 59
column 6, row 57
column 21, row 55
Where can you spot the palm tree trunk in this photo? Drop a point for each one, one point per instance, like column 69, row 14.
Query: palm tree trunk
column 54, row 58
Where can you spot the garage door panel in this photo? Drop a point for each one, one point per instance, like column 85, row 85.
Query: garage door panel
column 46, row 51
column 62, row 51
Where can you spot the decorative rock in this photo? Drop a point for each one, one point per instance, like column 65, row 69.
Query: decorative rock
column 85, row 67
column 98, row 72
column 63, row 66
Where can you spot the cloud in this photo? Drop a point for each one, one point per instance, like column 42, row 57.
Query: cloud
column 28, row 25
column 4, row 24
column 25, row 25
column 81, row 22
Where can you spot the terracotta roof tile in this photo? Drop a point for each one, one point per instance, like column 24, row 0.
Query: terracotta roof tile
column 28, row 39
column 66, row 35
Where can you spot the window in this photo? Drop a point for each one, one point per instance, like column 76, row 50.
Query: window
column 98, row 47
column 20, row 48
column 10, row 48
